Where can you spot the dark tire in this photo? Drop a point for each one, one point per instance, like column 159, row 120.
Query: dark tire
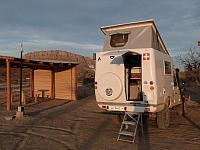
column 163, row 118
column 179, row 109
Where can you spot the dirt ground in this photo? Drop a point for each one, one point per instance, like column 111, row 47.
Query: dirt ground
column 82, row 125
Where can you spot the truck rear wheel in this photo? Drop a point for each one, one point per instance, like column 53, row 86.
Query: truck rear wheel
column 163, row 118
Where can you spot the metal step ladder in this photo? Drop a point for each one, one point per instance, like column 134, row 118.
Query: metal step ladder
column 129, row 126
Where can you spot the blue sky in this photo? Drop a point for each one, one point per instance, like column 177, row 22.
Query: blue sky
column 74, row 25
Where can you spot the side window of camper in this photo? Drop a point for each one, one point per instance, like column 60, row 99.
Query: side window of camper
column 119, row 39
column 168, row 69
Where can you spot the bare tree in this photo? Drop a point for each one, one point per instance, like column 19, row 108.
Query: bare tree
column 191, row 62
column 191, row 59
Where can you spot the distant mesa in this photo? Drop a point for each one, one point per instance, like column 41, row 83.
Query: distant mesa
column 85, row 67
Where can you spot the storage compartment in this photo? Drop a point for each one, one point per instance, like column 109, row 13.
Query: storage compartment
column 135, row 89
column 133, row 77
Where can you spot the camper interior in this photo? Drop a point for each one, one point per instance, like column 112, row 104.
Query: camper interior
column 133, row 69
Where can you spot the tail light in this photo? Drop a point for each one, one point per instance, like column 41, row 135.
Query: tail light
column 104, row 107
column 95, row 85
column 151, row 87
column 151, row 82
column 125, row 108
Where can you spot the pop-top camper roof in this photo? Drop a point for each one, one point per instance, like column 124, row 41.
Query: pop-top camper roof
column 142, row 34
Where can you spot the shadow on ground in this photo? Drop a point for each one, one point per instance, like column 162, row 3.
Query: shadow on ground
column 36, row 112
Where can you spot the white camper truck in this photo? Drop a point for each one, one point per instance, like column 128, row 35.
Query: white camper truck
column 134, row 72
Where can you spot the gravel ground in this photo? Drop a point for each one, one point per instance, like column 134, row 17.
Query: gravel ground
column 81, row 125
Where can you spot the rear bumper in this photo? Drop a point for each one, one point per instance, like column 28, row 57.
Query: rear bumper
column 135, row 107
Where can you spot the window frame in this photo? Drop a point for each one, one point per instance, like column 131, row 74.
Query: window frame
column 167, row 71
column 112, row 44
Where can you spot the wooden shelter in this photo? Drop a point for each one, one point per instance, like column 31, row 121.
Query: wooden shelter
column 55, row 79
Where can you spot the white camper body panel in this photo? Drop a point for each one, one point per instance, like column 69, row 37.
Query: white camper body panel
column 112, row 73
column 111, row 81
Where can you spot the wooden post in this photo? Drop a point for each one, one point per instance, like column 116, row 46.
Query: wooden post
column 74, row 82
column 31, row 83
column 71, row 83
column 8, row 85
column 52, row 84
column 24, row 99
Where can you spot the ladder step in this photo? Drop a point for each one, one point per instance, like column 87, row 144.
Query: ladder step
column 126, row 133
column 129, row 122
column 131, row 141
column 134, row 113
column 129, row 126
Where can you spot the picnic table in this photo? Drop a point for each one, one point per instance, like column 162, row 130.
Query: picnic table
column 43, row 92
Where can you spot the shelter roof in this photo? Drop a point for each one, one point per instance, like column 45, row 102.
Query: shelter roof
column 37, row 64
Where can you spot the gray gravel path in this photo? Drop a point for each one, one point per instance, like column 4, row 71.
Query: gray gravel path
column 81, row 125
